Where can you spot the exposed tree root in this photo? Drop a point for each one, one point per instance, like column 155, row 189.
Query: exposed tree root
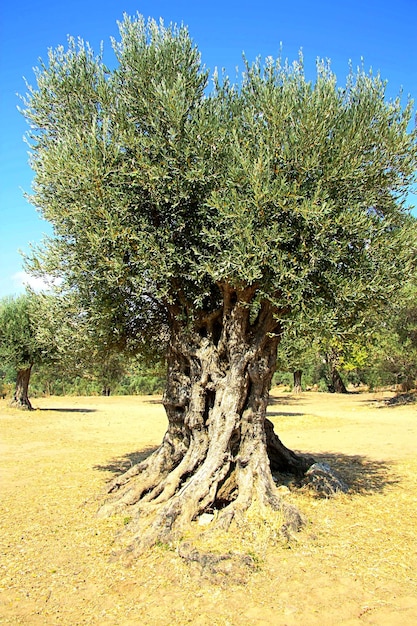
column 163, row 499
column 283, row 459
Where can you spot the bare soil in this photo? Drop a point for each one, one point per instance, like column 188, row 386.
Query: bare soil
column 355, row 561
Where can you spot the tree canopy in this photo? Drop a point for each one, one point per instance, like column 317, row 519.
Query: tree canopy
column 158, row 189
column 204, row 215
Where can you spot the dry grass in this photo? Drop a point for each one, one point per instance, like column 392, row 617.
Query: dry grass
column 354, row 563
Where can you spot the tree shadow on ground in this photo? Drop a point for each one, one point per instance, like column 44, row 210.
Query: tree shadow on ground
column 67, row 410
column 284, row 414
column 362, row 474
column 121, row 464
column 400, row 399
column 287, row 399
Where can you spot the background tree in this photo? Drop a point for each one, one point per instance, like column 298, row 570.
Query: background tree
column 342, row 331
column 84, row 353
column 393, row 354
column 217, row 215
column 363, row 327
column 21, row 347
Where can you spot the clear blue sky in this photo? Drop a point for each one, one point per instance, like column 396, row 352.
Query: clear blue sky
column 382, row 32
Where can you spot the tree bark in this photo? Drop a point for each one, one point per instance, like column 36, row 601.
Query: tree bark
column 297, row 388
column 20, row 396
column 219, row 448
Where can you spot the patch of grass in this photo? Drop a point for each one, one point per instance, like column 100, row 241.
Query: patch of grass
column 164, row 545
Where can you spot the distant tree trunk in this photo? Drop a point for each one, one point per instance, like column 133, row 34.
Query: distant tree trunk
column 219, row 449
column 335, row 382
column 20, row 396
column 297, row 388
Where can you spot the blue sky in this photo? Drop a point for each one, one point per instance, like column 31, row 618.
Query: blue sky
column 381, row 32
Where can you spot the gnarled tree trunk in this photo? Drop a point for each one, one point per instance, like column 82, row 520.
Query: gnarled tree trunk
column 20, row 396
column 219, row 449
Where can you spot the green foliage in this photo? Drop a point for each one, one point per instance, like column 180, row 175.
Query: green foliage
column 160, row 194
column 131, row 377
column 71, row 354
column 20, row 347
column 394, row 353
column 297, row 350
column 143, row 379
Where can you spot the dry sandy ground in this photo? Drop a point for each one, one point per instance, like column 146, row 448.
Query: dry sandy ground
column 354, row 563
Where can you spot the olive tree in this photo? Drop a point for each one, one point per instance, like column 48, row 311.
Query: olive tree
column 20, row 345
column 216, row 214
